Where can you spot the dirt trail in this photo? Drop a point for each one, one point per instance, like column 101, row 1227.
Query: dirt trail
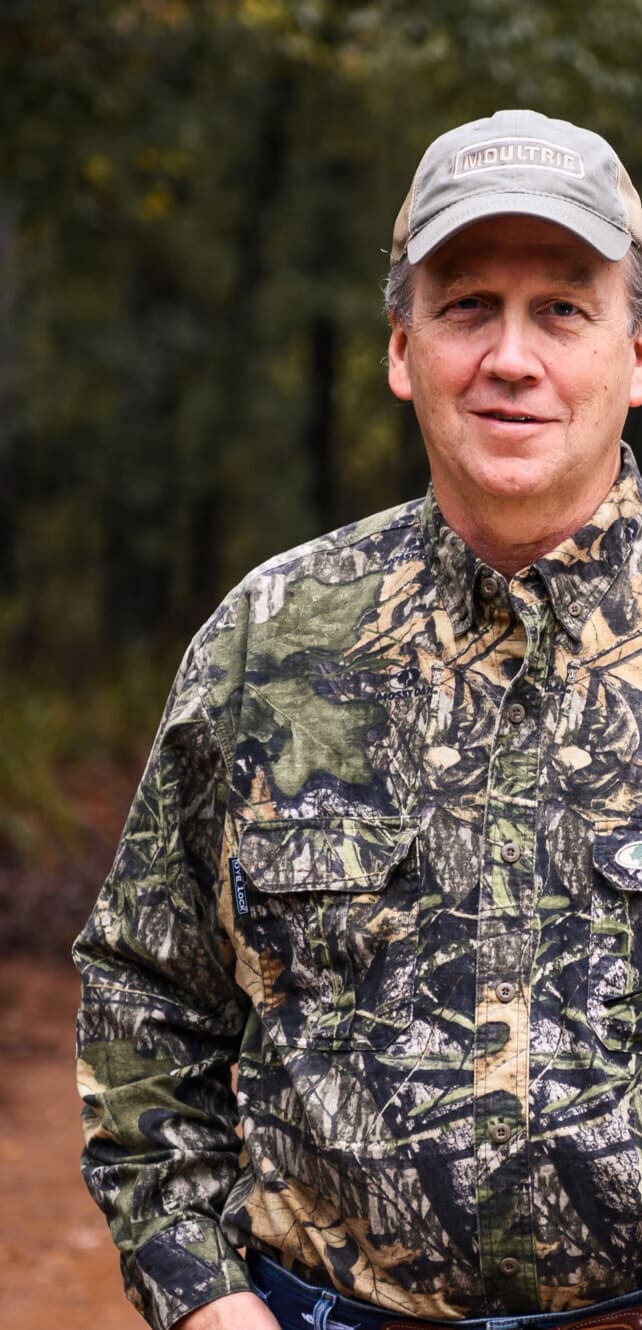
column 58, row 1267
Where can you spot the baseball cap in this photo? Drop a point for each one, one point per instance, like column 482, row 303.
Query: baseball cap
column 519, row 162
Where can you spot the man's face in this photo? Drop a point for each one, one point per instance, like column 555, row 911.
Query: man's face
column 520, row 368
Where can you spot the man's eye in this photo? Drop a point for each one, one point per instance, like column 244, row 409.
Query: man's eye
column 562, row 309
column 465, row 304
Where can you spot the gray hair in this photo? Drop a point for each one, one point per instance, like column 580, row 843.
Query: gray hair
column 633, row 274
column 399, row 290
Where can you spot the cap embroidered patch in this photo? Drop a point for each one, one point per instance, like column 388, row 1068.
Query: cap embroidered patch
column 518, row 152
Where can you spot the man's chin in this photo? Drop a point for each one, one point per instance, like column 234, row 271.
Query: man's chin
column 518, row 480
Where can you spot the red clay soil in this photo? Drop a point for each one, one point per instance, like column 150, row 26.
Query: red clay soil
column 58, row 1268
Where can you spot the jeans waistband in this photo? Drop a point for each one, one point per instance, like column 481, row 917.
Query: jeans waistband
column 313, row 1307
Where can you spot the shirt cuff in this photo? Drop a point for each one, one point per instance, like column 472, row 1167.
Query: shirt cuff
column 181, row 1269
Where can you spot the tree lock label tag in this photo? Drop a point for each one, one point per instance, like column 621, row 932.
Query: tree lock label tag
column 239, row 889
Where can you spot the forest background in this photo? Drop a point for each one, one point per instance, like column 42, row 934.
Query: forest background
column 196, row 200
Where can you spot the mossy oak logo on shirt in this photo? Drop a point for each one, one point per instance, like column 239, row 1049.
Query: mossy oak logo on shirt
column 630, row 857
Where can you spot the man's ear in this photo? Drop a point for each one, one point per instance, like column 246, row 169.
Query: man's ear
column 398, row 372
column 635, row 398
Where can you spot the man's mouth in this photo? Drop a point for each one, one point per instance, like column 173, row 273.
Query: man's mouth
column 511, row 417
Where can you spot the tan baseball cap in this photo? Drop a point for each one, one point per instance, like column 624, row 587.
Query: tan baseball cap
column 519, row 162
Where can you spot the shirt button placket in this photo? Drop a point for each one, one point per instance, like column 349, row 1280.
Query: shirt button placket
column 505, row 947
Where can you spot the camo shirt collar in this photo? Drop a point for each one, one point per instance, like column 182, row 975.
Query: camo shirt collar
column 574, row 576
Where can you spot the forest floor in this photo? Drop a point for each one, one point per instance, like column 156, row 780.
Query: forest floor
column 58, row 1267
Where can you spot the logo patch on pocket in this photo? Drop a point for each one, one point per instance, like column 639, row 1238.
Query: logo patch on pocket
column 630, row 857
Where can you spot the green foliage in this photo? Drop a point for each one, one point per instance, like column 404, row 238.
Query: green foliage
column 54, row 740
column 34, row 815
column 197, row 198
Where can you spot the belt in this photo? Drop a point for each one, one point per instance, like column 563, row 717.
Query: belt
column 623, row 1318
column 289, row 1296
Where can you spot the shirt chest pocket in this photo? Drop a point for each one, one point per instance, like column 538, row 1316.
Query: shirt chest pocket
column 333, row 908
column 614, row 1003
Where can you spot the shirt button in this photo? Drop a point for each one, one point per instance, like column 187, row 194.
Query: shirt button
column 516, row 713
column 505, row 991
column 510, row 852
column 499, row 1133
column 575, row 609
column 508, row 1266
column 489, row 587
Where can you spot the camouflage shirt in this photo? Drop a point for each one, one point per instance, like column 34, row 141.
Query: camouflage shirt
column 387, row 854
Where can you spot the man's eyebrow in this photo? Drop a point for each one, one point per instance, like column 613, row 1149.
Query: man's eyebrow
column 448, row 275
column 579, row 275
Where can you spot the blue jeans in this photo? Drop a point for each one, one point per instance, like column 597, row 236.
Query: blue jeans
column 301, row 1306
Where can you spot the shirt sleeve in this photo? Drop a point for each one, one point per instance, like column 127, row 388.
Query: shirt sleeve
column 159, row 1028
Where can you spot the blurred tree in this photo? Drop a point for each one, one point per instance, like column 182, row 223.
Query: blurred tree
column 196, row 200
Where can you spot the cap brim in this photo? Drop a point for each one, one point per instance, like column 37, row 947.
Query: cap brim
column 609, row 241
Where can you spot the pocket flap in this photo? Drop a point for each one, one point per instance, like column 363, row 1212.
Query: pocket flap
column 337, row 854
column 617, row 855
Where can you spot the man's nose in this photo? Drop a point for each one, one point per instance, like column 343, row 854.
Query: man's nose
column 512, row 354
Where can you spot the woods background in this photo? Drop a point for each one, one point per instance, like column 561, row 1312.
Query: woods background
column 196, row 200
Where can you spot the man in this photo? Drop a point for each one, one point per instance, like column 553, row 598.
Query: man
column 387, row 849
